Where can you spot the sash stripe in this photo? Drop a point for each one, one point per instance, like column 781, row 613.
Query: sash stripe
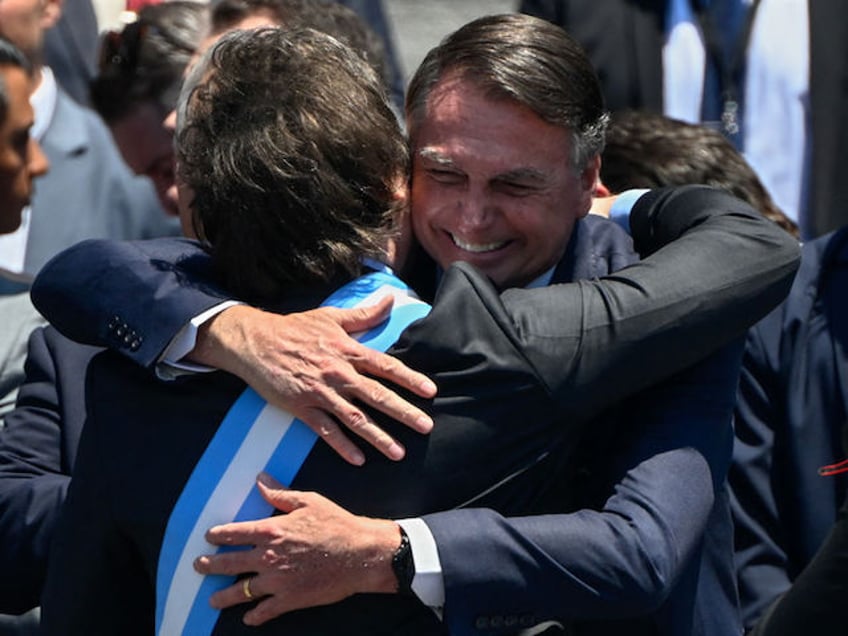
column 252, row 437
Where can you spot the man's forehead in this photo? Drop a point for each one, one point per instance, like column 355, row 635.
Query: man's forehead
column 18, row 87
column 463, row 127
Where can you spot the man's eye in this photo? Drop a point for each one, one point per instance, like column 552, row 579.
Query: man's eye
column 445, row 176
column 515, row 189
column 20, row 142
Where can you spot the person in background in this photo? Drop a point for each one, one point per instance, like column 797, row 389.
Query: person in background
column 70, row 49
column 649, row 150
column 788, row 475
column 140, row 72
column 21, row 162
column 89, row 190
column 374, row 15
column 773, row 69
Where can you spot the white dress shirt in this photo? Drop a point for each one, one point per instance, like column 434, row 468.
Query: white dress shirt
column 776, row 121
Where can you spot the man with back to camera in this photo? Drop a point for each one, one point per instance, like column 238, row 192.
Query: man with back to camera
column 36, row 461
column 694, row 507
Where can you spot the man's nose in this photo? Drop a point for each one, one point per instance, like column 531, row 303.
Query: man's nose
column 475, row 210
column 38, row 163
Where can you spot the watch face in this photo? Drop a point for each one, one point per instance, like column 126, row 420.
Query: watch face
column 403, row 565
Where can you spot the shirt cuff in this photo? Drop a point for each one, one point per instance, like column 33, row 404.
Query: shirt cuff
column 171, row 364
column 623, row 204
column 428, row 584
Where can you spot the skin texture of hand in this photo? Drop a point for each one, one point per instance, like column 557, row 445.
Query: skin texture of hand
column 315, row 554
column 307, row 364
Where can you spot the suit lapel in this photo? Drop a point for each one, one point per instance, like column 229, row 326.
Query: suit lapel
column 832, row 302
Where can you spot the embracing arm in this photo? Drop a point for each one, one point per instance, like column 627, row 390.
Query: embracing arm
column 620, row 560
column 712, row 268
column 624, row 558
column 135, row 297
column 130, row 296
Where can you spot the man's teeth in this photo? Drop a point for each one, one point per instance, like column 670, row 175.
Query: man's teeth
column 477, row 247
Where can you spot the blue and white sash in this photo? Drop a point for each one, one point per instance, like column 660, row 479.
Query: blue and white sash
column 254, row 436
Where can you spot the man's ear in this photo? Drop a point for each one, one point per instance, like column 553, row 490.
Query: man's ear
column 51, row 13
column 601, row 190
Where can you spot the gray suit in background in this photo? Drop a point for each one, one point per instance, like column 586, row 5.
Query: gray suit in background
column 19, row 318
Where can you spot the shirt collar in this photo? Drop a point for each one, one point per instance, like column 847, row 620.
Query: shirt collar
column 542, row 281
column 43, row 102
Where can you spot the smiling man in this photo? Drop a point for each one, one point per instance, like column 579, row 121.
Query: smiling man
column 501, row 189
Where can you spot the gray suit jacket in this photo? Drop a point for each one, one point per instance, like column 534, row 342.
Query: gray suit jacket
column 70, row 48
column 89, row 191
column 19, row 318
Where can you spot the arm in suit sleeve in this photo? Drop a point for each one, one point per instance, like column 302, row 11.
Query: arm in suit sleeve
column 36, row 455
column 618, row 561
column 594, row 342
column 130, row 296
column 85, row 288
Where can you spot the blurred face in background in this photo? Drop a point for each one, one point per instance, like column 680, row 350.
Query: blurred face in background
column 23, row 23
column 148, row 149
column 21, row 158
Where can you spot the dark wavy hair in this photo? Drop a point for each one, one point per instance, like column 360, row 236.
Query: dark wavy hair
column 10, row 55
column 525, row 59
column 647, row 150
column 332, row 18
column 293, row 155
column 145, row 60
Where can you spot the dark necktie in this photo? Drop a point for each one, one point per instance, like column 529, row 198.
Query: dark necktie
column 726, row 33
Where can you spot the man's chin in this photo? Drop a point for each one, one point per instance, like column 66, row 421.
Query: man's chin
column 10, row 220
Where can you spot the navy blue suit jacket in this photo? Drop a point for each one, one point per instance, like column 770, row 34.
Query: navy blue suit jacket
column 792, row 408
column 557, row 331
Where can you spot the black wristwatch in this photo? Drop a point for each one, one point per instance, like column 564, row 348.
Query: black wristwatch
column 403, row 566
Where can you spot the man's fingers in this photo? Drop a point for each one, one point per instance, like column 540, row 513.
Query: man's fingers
column 282, row 498
column 379, row 364
column 328, row 429
column 236, row 594
column 361, row 318
column 267, row 609
column 390, row 368
column 388, row 402
column 357, row 421
column 227, row 563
